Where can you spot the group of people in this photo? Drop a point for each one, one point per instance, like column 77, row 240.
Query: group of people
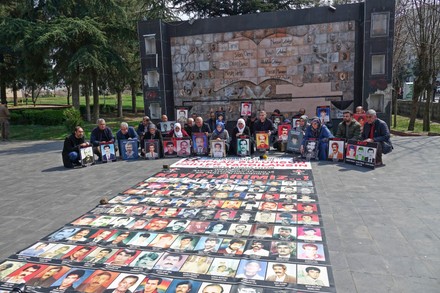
column 246, row 136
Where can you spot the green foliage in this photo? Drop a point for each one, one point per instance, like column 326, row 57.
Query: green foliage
column 37, row 117
column 72, row 118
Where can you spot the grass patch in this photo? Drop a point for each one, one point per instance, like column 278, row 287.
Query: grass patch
column 403, row 122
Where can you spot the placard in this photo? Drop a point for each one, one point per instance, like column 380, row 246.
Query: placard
column 182, row 115
column 87, row 157
column 183, row 147
column 169, row 148
column 151, row 147
column 311, row 149
column 108, row 152
column 243, row 146
column 166, row 127
column 361, row 153
column 323, row 113
column 294, row 141
column 220, row 116
column 218, row 149
column 246, row 109
column 336, row 149
column 361, row 118
column 262, row 139
column 200, row 144
column 276, row 119
column 129, row 149
column 283, row 132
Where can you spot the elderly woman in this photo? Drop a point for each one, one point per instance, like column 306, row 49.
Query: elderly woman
column 240, row 130
column 177, row 132
column 220, row 133
column 319, row 132
column 153, row 133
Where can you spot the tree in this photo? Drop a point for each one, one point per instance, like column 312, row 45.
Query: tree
column 422, row 22
column 218, row 8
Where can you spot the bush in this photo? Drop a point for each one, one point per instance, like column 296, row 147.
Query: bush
column 47, row 117
column 72, row 118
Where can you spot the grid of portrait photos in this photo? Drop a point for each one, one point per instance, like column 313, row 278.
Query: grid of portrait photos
column 196, row 228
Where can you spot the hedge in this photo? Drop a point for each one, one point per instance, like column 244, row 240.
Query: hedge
column 48, row 117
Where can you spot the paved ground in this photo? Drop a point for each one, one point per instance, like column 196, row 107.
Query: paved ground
column 382, row 226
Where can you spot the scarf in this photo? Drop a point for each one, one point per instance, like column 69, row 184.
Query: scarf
column 222, row 126
column 178, row 133
column 317, row 131
column 240, row 130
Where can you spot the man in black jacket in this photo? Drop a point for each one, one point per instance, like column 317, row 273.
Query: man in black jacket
column 71, row 148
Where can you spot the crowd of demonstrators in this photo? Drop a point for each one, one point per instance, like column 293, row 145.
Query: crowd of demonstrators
column 151, row 139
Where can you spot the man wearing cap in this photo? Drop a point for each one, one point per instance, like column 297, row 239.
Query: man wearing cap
column 376, row 130
column 349, row 128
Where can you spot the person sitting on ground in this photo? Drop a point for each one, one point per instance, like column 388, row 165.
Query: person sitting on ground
column 142, row 127
column 376, row 130
column 240, row 130
column 349, row 128
column 263, row 124
column 319, row 132
column 177, row 132
column 189, row 125
column 153, row 133
column 71, row 148
column 126, row 132
column 101, row 135
column 220, row 133
column 201, row 127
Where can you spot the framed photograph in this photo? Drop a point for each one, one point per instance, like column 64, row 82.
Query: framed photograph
column 283, row 132
column 294, row 141
column 243, row 146
column 246, row 109
column 323, row 112
column 129, row 149
column 108, row 153
column 295, row 122
column 361, row 153
column 361, row 118
column 336, row 149
column 169, row 148
column 276, row 119
column 379, row 24
column 87, row 157
column 200, row 144
column 181, row 115
column 166, row 127
column 152, row 151
column 220, row 116
column 218, row 149
column 262, row 139
column 311, row 149
column 183, row 147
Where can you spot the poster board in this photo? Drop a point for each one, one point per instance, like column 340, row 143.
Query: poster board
column 200, row 144
column 129, row 149
column 276, row 119
column 323, row 113
column 336, row 149
column 262, row 139
column 169, row 148
column 220, row 116
column 361, row 153
column 218, row 149
column 243, row 146
column 246, row 109
column 283, row 132
column 311, row 149
column 361, row 118
column 181, row 115
column 87, row 157
column 166, row 127
column 294, row 141
column 183, row 146
column 108, row 152
column 152, row 150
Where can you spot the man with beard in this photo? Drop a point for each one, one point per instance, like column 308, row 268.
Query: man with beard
column 46, row 279
column 96, row 284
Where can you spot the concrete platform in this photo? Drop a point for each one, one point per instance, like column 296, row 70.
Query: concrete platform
column 382, row 226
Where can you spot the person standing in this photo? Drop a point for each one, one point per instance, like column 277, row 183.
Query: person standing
column 71, row 148
column 4, row 121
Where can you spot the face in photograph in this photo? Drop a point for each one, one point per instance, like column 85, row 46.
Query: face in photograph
column 240, row 230
column 170, row 262
column 63, row 234
column 146, row 259
column 251, row 269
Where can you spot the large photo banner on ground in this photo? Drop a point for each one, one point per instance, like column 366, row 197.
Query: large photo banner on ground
column 253, row 228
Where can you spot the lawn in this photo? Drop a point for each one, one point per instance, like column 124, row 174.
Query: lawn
column 402, row 125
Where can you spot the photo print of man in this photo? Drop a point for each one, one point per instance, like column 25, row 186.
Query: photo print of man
column 87, row 157
column 152, row 149
column 283, row 132
column 129, row 149
column 200, row 143
column 243, row 146
column 336, row 150
column 246, row 109
column 218, row 148
column 182, row 115
column 262, row 139
column 108, row 153
column 183, row 147
column 323, row 114
column 169, row 149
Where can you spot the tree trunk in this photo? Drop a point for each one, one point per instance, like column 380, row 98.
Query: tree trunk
column 14, row 90
column 95, row 96
column 133, row 100
column 427, row 110
column 394, row 103
column 119, row 99
column 87, row 96
column 418, row 90
column 3, row 92
column 75, row 92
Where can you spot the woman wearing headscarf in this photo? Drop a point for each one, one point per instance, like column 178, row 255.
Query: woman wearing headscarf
column 177, row 131
column 220, row 133
column 152, row 133
column 320, row 133
column 240, row 130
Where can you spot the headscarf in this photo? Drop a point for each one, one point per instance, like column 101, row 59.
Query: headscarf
column 315, row 132
column 178, row 133
column 240, row 130
column 219, row 124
